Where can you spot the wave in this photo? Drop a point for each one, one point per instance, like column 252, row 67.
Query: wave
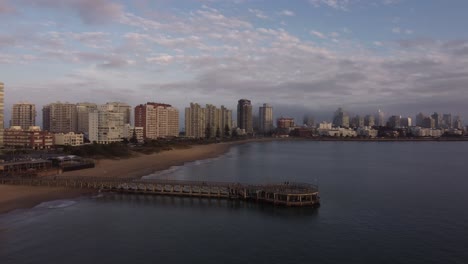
column 56, row 204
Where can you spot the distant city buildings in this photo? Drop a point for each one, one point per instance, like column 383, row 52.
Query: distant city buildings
column 380, row 118
column 340, row 118
column 284, row 125
column 308, row 121
column 244, row 115
column 23, row 115
column 30, row 138
column 82, row 112
column 208, row 122
column 68, row 139
column 265, row 114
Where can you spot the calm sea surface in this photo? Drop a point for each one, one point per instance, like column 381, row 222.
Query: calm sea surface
column 381, row 203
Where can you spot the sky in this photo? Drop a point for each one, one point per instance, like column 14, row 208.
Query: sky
column 301, row 56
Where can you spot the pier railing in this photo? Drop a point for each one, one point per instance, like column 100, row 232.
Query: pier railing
column 286, row 193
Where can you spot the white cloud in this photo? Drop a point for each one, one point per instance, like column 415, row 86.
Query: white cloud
column 318, row 34
column 286, row 12
column 258, row 13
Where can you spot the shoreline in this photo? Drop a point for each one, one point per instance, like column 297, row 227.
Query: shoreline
column 22, row 197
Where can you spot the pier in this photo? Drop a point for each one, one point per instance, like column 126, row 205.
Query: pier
column 281, row 194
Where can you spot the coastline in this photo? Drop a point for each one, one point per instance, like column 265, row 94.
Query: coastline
column 19, row 197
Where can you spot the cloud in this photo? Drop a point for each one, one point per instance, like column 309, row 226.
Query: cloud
column 258, row 13
column 286, row 12
column 336, row 4
column 318, row 34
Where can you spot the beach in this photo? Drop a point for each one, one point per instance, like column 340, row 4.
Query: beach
column 16, row 197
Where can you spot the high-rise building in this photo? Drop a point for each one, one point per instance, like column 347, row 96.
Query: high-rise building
column 195, row 121
column 420, row 119
column 212, row 120
column 226, row 120
column 265, row 114
column 119, row 107
column 357, row 121
column 394, row 122
column 405, row 122
column 437, row 120
column 82, row 112
column 309, row 121
column 447, row 121
column 340, row 119
column 428, row 122
column 380, row 118
column 59, row 117
column 244, row 115
column 369, row 121
column 158, row 120
column 105, row 126
column 23, row 115
column 2, row 106
column 457, row 123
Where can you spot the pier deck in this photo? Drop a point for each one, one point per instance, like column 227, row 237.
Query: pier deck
column 285, row 194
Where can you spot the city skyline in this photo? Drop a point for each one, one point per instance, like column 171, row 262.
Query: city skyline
column 306, row 56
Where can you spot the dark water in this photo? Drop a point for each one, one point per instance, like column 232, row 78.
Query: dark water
column 381, row 203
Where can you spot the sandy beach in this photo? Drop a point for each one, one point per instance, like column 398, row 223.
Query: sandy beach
column 15, row 197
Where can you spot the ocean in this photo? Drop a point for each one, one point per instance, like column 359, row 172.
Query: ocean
column 381, row 202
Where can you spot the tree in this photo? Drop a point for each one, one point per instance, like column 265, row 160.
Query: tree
column 227, row 132
column 234, row 133
column 208, row 131
column 218, row 132
column 134, row 139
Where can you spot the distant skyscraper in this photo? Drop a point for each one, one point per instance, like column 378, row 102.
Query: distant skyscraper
column 394, row 122
column 2, row 118
column 447, row 120
column 428, row 122
column 380, row 118
column 369, row 121
column 420, row 119
column 23, row 115
column 340, row 119
column 226, row 119
column 457, row 123
column 357, row 121
column 265, row 114
column 405, row 122
column 195, row 121
column 308, row 120
column 244, row 115
column 59, row 117
column 437, row 120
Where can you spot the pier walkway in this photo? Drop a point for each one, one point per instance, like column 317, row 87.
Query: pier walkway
column 286, row 194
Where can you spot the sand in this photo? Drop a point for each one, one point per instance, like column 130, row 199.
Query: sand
column 16, row 197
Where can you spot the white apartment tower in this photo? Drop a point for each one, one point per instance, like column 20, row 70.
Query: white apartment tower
column 195, row 121
column 265, row 115
column 105, row 126
column 83, row 110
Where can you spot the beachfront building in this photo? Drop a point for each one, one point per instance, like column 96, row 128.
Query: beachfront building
column 31, row 138
column 105, row 126
column 23, row 115
column 59, row 117
column 82, row 112
column 158, row 120
column 69, row 139
column 130, row 131
column 265, row 115
column 207, row 122
column 119, row 107
column 244, row 115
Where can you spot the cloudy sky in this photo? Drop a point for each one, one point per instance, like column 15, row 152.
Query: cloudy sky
column 403, row 56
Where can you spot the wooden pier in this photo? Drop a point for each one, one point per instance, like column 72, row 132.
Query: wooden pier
column 283, row 194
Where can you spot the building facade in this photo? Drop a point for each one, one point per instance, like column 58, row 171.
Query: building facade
column 105, row 127
column 158, row 120
column 23, row 115
column 195, row 121
column 32, row 138
column 60, row 117
column 83, row 110
column 341, row 118
column 244, row 115
column 265, row 114
column 68, row 139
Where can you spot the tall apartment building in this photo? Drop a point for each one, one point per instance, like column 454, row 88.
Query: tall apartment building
column 105, row 126
column 59, row 117
column 2, row 117
column 420, row 119
column 83, row 110
column 447, row 120
column 265, row 115
column 119, row 107
column 199, row 120
column 341, row 118
column 158, row 120
column 244, row 115
column 23, row 115
column 195, row 121
column 369, row 121
column 380, row 118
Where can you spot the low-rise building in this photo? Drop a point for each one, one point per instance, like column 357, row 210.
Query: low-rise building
column 32, row 138
column 337, row 132
column 368, row 132
column 69, row 139
column 426, row 132
column 129, row 131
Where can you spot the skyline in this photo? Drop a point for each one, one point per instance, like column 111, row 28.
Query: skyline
column 306, row 57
